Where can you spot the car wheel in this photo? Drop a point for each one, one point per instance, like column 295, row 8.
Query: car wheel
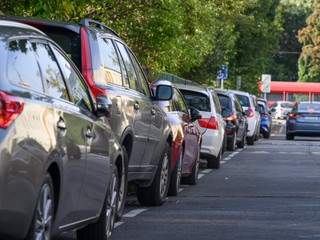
column 250, row 140
column 156, row 194
column 266, row 134
column 231, row 145
column 242, row 142
column 192, row 179
column 123, row 184
column 289, row 136
column 214, row 162
column 44, row 214
column 175, row 179
column 102, row 229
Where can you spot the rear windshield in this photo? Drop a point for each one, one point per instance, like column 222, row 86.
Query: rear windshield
column 225, row 101
column 287, row 105
column 244, row 100
column 196, row 100
column 309, row 107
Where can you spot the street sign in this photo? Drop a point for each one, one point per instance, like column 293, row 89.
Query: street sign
column 265, row 80
column 223, row 72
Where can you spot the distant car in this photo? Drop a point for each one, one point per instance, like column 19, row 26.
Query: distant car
column 280, row 109
column 303, row 120
column 235, row 118
column 265, row 118
column 247, row 102
column 60, row 160
column 186, row 143
column 211, row 125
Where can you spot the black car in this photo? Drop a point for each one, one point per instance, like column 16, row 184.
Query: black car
column 235, row 118
column 303, row 120
column 59, row 164
column 111, row 69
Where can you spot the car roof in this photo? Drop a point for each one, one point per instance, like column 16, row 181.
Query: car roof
column 196, row 88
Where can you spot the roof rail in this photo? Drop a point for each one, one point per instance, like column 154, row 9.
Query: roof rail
column 88, row 21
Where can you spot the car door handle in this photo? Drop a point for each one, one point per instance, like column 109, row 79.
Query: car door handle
column 61, row 124
column 136, row 106
column 153, row 112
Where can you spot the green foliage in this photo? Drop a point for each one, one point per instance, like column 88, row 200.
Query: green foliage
column 309, row 61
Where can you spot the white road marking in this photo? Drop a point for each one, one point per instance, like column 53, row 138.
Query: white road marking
column 222, row 162
column 206, row 171
column 135, row 212
column 226, row 158
column 117, row 224
column 200, row 175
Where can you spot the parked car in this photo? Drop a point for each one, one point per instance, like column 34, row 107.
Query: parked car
column 211, row 125
column 247, row 102
column 186, row 142
column 60, row 161
column 303, row 120
column 265, row 118
column 280, row 109
column 235, row 118
column 111, row 69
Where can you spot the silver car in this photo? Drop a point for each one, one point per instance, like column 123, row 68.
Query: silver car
column 280, row 109
column 59, row 159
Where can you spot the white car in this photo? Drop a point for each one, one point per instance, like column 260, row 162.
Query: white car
column 280, row 109
column 248, row 102
column 211, row 125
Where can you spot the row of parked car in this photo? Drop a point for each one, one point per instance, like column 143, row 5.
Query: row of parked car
column 79, row 121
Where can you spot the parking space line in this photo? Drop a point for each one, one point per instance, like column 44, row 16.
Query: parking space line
column 200, row 175
column 226, row 158
column 117, row 224
column 206, row 171
column 135, row 212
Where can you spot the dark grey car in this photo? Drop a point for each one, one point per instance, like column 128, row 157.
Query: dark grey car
column 110, row 68
column 58, row 156
column 303, row 120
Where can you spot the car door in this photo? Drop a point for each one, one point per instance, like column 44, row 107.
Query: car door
column 94, row 137
column 70, row 142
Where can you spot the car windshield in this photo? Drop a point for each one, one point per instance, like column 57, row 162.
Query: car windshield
column 309, row 107
column 287, row 105
column 197, row 100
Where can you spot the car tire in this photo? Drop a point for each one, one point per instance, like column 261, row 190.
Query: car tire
column 156, row 194
column 103, row 227
column 42, row 222
column 175, row 179
column 192, row 179
column 266, row 135
column 242, row 142
column 231, row 145
column 214, row 162
column 289, row 136
column 123, row 184
column 250, row 140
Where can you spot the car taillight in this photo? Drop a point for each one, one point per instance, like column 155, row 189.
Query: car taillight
column 233, row 117
column 210, row 123
column 294, row 115
column 251, row 112
column 86, row 64
column 10, row 108
column 264, row 115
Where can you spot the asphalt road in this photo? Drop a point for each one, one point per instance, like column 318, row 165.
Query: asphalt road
column 269, row 191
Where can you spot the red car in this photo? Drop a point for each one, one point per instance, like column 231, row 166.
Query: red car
column 186, row 142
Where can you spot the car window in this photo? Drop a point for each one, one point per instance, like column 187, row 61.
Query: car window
column 79, row 91
column 244, row 100
column 178, row 102
column 111, row 63
column 237, row 104
column 286, row 105
column 225, row 101
column 309, row 107
column 216, row 102
column 197, row 100
column 18, row 72
column 129, row 67
column 140, row 76
column 50, row 71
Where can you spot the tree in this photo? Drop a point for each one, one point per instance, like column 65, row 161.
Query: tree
column 309, row 60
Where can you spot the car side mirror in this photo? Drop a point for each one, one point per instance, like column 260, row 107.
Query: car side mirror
column 246, row 112
column 163, row 93
column 273, row 110
column 103, row 106
column 194, row 114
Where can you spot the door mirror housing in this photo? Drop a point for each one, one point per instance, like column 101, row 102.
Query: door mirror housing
column 103, row 108
column 194, row 114
column 163, row 93
column 226, row 112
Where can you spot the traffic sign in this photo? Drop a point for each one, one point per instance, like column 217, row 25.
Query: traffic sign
column 265, row 80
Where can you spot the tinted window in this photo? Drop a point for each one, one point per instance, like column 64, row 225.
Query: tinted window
column 22, row 67
column 78, row 89
column 286, row 105
column 309, row 107
column 128, row 66
column 197, row 100
column 50, row 71
column 225, row 101
column 178, row 102
column 111, row 64
column 244, row 100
